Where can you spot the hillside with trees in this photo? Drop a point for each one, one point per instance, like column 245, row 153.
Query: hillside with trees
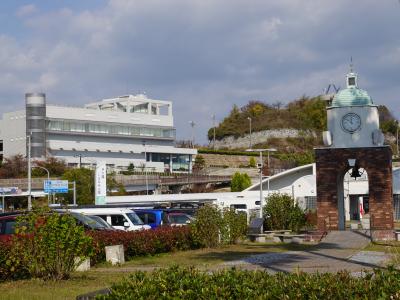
column 306, row 114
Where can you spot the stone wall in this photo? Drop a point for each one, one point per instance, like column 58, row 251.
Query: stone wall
column 257, row 138
column 332, row 164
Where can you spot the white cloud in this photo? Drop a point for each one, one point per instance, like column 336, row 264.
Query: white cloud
column 26, row 10
column 203, row 55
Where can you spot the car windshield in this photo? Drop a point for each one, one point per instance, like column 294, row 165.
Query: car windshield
column 134, row 218
column 91, row 223
column 101, row 221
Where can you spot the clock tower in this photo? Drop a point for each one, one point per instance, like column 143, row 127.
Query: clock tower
column 353, row 141
column 353, row 119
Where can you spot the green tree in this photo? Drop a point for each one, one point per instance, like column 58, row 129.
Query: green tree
column 313, row 114
column 283, row 213
column 84, row 179
column 252, row 162
column 199, row 163
column 240, row 181
column 55, row 166
column 389, row 126
column 113, row 186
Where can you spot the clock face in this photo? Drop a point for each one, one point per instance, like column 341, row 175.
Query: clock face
column 351, row 122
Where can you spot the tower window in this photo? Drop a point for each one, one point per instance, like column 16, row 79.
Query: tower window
column 352, row 81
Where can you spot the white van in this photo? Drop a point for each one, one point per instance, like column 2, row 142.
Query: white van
column 119, row 218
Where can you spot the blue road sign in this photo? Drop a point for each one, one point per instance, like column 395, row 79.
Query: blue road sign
column 55, row 186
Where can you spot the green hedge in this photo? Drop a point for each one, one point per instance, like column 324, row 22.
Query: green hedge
column 185, row 283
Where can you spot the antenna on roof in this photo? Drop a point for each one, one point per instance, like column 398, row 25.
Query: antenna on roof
column 351, row 64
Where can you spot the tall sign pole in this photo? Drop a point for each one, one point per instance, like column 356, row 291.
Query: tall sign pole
column 100, row 183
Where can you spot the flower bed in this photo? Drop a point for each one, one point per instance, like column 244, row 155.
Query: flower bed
column 146, row 242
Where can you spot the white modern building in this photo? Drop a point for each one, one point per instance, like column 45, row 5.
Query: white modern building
column 127, row 130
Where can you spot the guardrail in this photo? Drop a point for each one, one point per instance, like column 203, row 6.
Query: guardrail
column 170, row 180
column 22, row 183
column 181, row 179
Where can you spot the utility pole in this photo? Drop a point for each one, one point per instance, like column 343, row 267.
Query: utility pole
column 213, row 118
column 397, row 138
column 192, row 124
column 248, row 118
column 29, row 173
column 145, row 168
column 80, row 159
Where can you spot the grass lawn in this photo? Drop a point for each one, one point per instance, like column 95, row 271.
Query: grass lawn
column 103, row 275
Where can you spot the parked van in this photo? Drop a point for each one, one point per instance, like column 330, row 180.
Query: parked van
column 151, row 217
column 119, row 218
column 158, row 217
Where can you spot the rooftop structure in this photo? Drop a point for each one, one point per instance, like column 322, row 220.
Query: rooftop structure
column 352, row 95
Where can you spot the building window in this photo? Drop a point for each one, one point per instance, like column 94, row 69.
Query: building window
column 77, row 127
column 97, row 128
column 396, row 199
column 311, row 202
column 141, row 108
column 110, row 129
column 180, row 162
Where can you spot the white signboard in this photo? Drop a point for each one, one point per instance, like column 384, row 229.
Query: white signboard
column 100, row 183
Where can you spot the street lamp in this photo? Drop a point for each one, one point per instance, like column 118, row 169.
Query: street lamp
column 80, row 159
column 145, row 167
column 29, row 173
column 261, row 168
column 48, row 179
column 248, row 118
column 397, row 138
column 192, row 124
column 213, row 118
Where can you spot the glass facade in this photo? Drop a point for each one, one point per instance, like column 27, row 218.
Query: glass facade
column 180, row 162
column 71, row 126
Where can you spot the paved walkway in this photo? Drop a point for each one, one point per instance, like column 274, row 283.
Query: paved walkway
column 338, row 251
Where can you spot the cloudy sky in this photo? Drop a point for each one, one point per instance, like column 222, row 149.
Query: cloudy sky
column 204, row 55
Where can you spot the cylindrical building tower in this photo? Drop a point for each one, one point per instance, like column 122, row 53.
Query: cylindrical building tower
column 35, row 105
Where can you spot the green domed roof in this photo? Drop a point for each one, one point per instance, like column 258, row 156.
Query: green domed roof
column 352, row 96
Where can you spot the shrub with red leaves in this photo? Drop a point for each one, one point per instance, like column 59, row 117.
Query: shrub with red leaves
column 144, row 242
column 311, row 218
column 11, row 265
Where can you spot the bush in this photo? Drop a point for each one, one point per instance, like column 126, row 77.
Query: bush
column 252, row 162
column 213, row 226
column 206, row 227
column 189, row 283
column 311, row 218
column 240, row 182
column 47, row 245
column 234, row 226
column 11, row 265
column 282, row 213
column 146, row 242
column 199, row 163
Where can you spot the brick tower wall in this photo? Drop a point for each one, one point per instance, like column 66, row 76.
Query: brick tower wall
column 332, row 164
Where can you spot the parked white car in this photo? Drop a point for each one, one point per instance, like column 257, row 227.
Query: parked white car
column 119, row 218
